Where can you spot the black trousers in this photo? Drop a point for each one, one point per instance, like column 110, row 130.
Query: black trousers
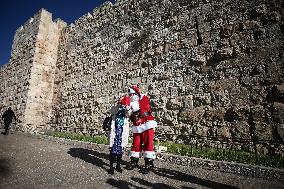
column 6, row 127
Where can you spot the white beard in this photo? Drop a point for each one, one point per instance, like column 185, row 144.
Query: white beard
column 134, row 98
column 134, row 103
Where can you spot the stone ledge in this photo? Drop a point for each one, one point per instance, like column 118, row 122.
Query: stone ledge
column 222, row 166
column 227, row 167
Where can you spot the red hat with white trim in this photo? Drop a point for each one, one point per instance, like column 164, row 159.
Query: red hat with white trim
column 134, row 90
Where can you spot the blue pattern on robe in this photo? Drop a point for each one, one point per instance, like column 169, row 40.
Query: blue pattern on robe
column 119, row 122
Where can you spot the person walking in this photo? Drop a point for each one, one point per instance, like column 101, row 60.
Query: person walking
column 8, row 117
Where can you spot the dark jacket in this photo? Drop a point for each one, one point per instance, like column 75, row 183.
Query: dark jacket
column 8, row 115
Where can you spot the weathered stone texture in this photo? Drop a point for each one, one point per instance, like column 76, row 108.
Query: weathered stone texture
column 27, row 80
column 211, row 68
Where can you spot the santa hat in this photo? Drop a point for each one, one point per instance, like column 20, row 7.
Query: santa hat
column 125, row 100
column 134, row 90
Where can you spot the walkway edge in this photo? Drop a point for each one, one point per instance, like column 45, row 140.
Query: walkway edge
column 222, row 166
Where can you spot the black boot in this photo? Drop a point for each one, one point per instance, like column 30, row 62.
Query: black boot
column 111, row 160
column 118, row 167
column 149, row 165
column 6, row 132
column 6, row 129
column 133, row 163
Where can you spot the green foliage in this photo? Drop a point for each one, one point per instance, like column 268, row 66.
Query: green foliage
column 79, row 137
column 225, row 155
column 101, row 139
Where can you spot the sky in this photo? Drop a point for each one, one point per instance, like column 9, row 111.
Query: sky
column 14, row 13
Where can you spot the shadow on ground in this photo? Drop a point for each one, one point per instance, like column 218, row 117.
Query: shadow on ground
column 98, row 159
column 4, row 168
column 91, row 156
column 127, row 185
column 172, row 174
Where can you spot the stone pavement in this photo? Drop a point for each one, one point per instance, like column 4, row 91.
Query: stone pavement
column 31, row 163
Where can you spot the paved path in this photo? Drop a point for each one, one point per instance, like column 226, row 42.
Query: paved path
column 31, row 163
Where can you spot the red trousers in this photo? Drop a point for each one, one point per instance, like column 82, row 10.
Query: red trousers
column 143, row 141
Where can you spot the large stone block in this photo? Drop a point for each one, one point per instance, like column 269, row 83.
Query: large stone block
column 175, row 104
column 280, row 131
column 278, row 112
column 190, row 116
column 276, row 94
column 263, row 131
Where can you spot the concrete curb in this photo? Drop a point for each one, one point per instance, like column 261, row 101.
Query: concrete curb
column 222, row 166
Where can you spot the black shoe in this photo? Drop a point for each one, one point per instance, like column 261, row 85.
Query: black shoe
column 149, row 165
column 111, row 160
column 111, row 171
column 118, row 169
column 145, row 171
column 133, row 164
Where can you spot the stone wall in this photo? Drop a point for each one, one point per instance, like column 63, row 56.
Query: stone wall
column 40, row 95
column 213, row 69
column 15, row 75
column 209, row 67
column 27, row 80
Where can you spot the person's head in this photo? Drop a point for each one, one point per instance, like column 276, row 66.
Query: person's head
column 134, row 93
column 9, row 108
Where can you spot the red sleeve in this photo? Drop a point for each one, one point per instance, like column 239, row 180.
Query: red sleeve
column 145, row 104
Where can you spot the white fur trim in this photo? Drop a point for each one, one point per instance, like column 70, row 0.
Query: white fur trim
column 143, row 127
column 135, row 106
column 141, row 96
column 131, row 91
column 125, row 133
column 149, row 154
column 135, row 154
column 134, row 98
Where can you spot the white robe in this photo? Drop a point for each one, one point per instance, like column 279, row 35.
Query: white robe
column 125, row 133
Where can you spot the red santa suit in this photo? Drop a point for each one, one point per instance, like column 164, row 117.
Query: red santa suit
column 143, row 125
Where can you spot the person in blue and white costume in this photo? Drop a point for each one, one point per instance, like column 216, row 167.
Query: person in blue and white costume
column 119, row 132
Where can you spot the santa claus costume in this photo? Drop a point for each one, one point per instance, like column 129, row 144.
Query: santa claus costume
column 119, row 132
column 142, row 129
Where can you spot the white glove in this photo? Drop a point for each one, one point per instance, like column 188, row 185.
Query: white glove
column 134, row 106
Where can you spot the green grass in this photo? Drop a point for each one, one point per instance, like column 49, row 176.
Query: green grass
column 231, row 155
column 79, row 137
